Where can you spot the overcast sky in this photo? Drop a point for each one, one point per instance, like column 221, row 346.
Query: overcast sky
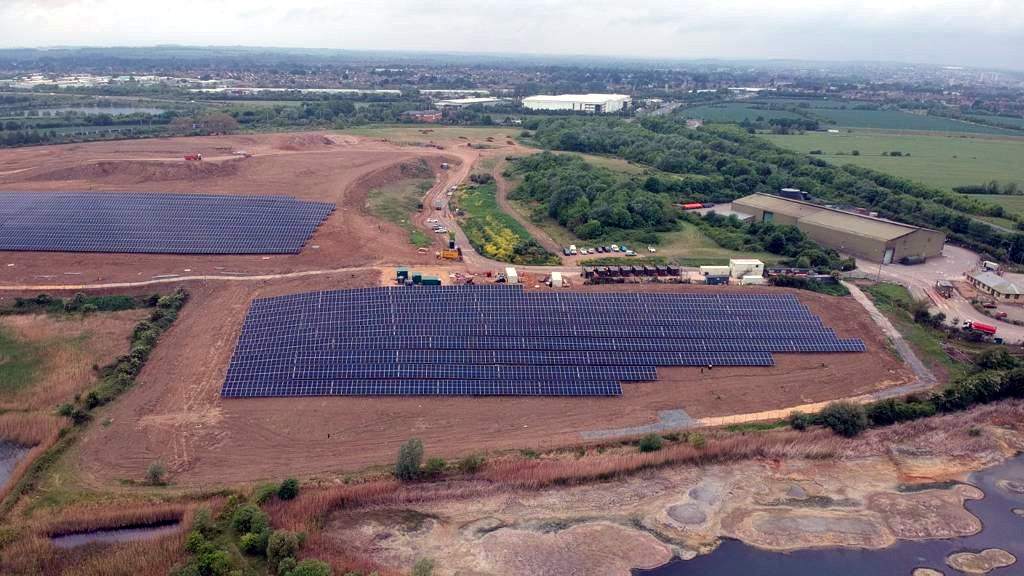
column 955, row 32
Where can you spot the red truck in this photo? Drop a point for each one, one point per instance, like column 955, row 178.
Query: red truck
column 194, row 156
column 986, row 328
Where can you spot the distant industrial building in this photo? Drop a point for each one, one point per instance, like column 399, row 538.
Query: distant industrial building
column 994, row 285
column 595, row 103
column 463, row 102
column 862, row 236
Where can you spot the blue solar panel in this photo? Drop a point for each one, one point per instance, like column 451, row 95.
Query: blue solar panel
column 484, row 340
column 156, row 222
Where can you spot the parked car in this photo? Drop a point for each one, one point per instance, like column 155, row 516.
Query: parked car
column 630, row 253
column 615, row 247
column 652, row 249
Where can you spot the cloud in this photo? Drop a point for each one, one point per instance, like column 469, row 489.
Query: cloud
column 976, row 32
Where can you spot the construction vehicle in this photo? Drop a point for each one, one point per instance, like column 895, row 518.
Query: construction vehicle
column 944, row 288
column 451, row 254
column 986, row 328
column 194, row 156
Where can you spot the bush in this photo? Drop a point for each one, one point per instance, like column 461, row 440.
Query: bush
column 434, row 467
column 650, row 443
column 470, row 464
column 696, row 439
column 265, row 493
column 282, row 544
column 289, row 489
column 250, row 518
column 255, row 543
column 155, row 473
column 308, row 567
column 423, row 567
column 410, row 455
column 845, row 418
column 799, row 420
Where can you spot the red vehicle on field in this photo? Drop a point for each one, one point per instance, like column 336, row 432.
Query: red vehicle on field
column 194, row 156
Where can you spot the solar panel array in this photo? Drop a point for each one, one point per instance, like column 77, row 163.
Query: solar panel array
column 500, row 340
column 156, row 223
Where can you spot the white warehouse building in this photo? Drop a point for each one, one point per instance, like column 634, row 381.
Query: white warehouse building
column 596, row 103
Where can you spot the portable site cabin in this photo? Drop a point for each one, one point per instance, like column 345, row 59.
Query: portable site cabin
column 742, row 267
column 752, row 280
column 511, row 276
column 556, row 279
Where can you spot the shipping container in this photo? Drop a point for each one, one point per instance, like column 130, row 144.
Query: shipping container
column 416, row 277
column 430, row 281
column 716, row 280
column 511, row 276
column 556, row 279
column 402, row 273
column 714, row 270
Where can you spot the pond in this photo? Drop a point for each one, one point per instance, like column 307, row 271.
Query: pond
column 128, row 534
column 10, row 455
column 1003, row 486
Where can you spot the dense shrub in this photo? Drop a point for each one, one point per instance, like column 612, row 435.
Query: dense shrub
column 410, row 455
column 845, row 418
column 472, row 463
column 289, row 489
column 799, row 420
column 249, row 518
column 650, row 443
column 282, row 544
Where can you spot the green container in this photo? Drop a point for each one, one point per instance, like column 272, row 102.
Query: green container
column 402, row 273
column 430, row 281
column 416, row 277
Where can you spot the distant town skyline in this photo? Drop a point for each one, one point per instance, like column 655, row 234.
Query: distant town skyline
column 977, row 33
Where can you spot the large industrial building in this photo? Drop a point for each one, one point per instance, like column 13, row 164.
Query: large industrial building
column 862, row 236
column 596, row 103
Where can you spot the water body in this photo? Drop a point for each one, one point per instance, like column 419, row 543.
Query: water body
column 114, row 536
column 10, row 455
column 1002, row 529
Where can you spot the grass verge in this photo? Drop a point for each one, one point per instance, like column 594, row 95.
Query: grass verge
column 398, row 201
column 495, row 234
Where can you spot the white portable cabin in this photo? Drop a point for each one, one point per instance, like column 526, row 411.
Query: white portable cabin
column 511, row 276
column 556, row 279
column 752, row 280
column 740, row 268
column 714, row 270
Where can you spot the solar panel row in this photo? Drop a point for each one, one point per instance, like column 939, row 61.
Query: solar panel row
column 156, row 222
column 477, row 340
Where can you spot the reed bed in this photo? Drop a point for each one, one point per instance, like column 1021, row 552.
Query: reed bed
column 40, row 431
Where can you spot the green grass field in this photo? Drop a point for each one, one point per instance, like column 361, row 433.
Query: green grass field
column 19, row 363
column 837, row 114
column 1012, row 204
column 496, row 234
column 397, row 202
column 938, row 160
column 733, row 112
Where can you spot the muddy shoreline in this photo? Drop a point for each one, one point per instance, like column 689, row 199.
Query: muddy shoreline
column 895, row 485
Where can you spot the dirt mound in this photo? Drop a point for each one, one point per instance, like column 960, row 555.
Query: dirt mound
column 139, row 171
column 303, row 142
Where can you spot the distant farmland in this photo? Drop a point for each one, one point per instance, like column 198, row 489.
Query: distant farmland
column 943, row 161
column 833, row 115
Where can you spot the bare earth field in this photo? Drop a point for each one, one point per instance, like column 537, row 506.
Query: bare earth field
column 175, row 413
column 315, row 167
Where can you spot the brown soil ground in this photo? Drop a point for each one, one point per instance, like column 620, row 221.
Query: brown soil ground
column 316, row 167
column 175, row 413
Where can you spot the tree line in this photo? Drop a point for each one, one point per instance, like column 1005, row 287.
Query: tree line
column 724, row 163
